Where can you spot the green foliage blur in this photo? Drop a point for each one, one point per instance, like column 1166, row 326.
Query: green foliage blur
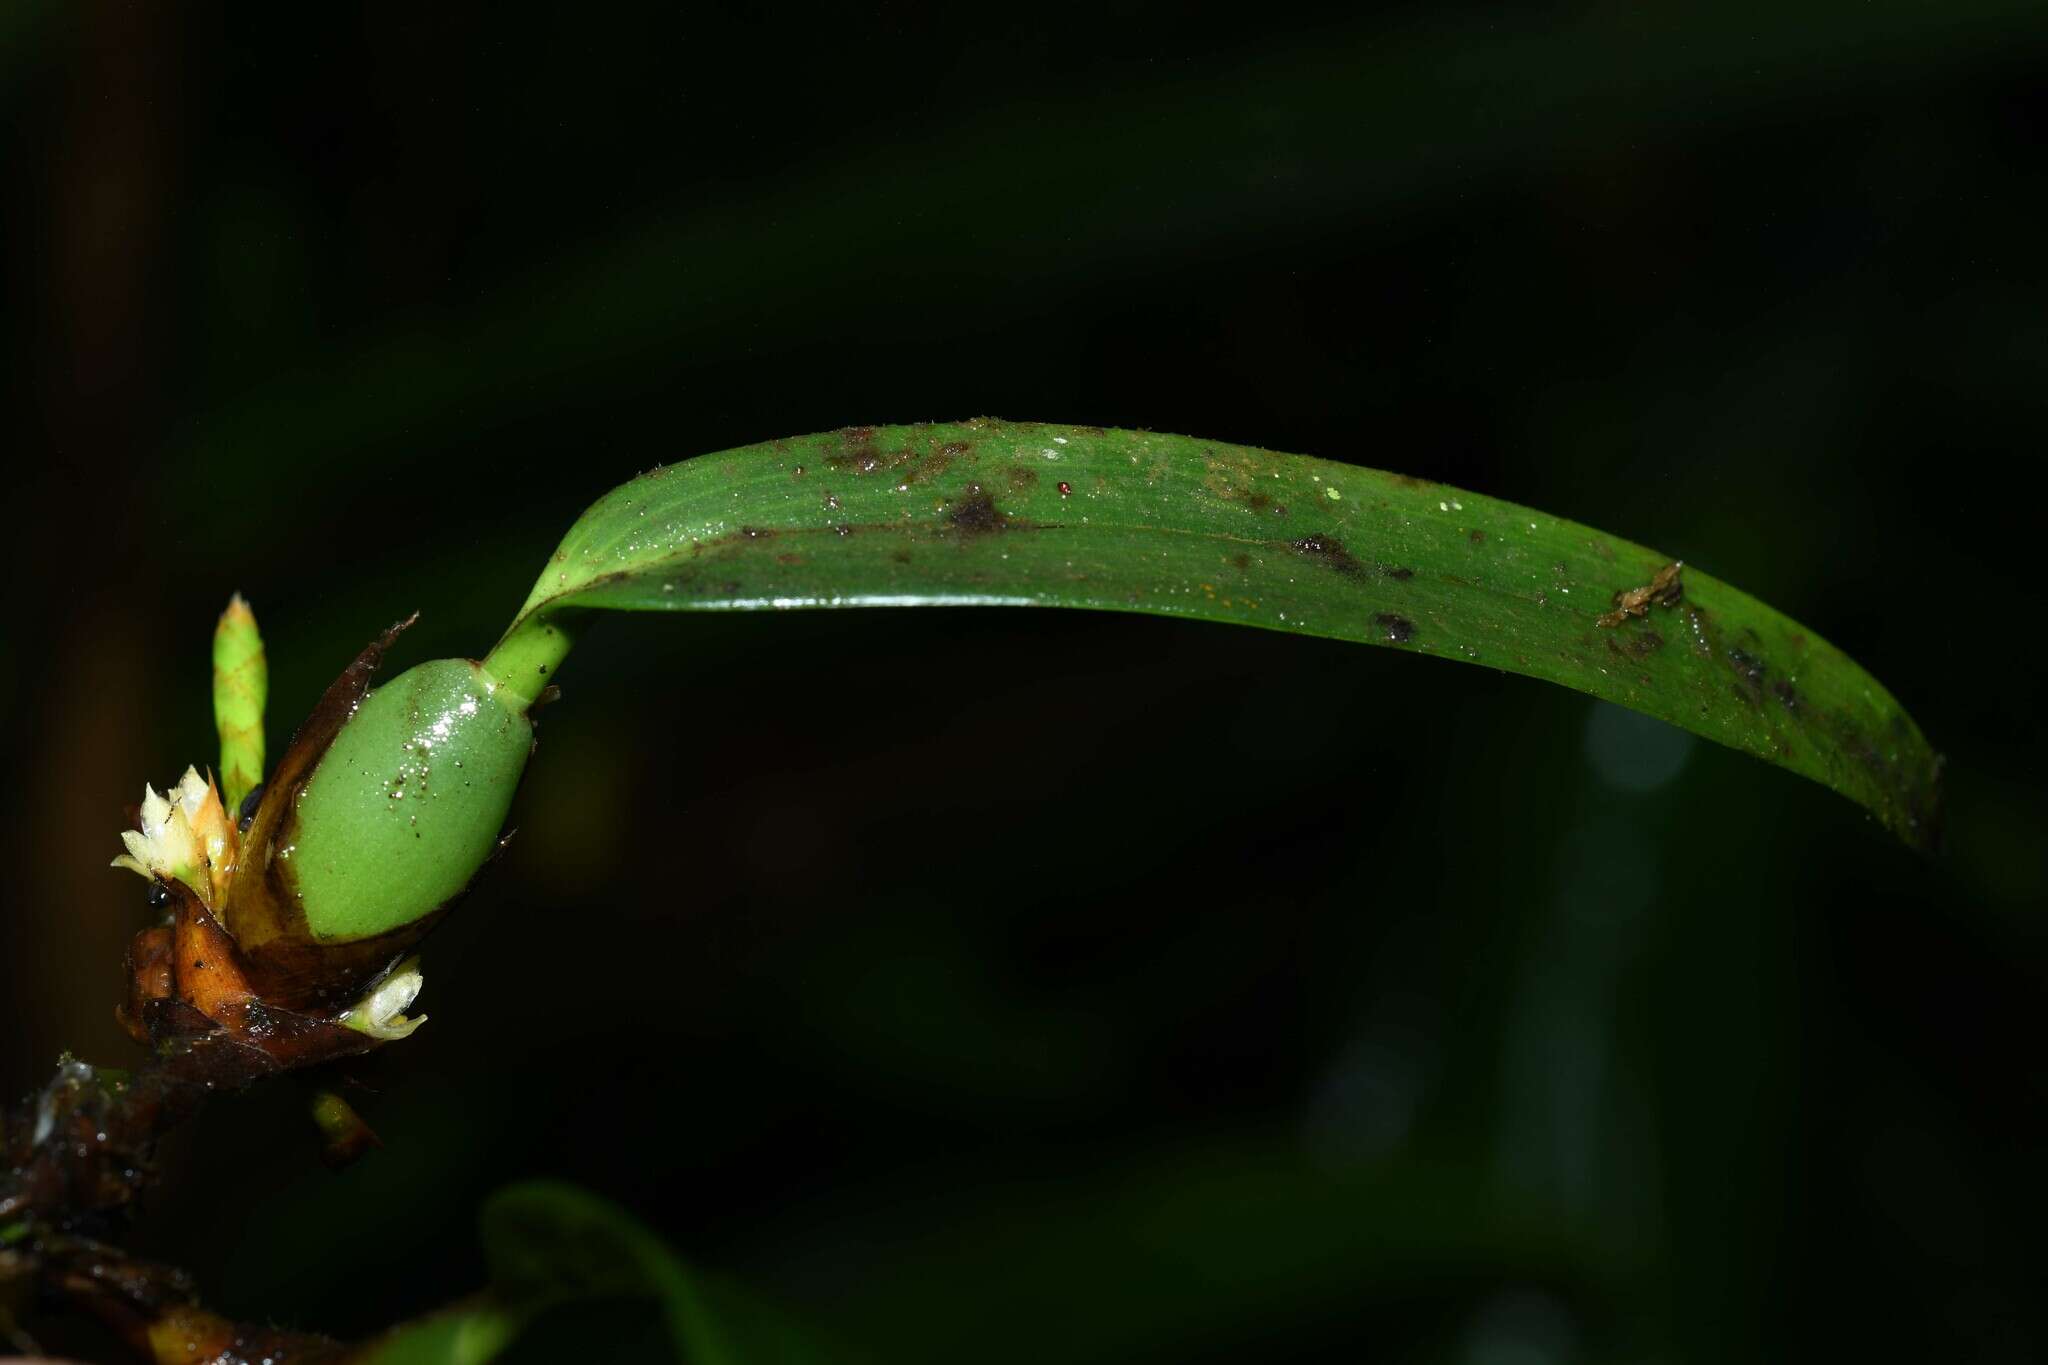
column 1018, row 986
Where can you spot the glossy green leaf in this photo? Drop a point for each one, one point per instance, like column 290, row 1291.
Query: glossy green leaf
column 991, row 513
column 550, row 1245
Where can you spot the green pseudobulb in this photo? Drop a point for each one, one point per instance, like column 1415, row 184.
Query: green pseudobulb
column 408, row 802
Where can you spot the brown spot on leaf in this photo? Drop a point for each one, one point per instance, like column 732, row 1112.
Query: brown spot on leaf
column 1636, row 644
column 1020, row 477
column 1398, row 629
column 908, row 465
column 864, row 460
column 1330, row 551
column 976, row 514
column 1749, row 673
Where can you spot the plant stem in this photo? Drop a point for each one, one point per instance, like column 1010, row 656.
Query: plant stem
column 524, row 662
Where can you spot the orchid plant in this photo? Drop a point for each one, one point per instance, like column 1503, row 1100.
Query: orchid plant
column 290, row 901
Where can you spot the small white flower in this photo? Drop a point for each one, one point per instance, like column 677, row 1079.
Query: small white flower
column 381, row 1013
column 186, row 836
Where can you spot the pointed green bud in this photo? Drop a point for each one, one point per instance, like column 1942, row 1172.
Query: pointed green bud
column 407, row 802
column 241, row 685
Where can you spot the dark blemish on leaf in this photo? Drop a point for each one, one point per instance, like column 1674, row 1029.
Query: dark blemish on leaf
column 856, row 436
column 1020, row 477
column 797, row 473
column 901, row 556
column 865, row 460
column 1398, row 629
column 1602, row 549
column 1328, row 550
column 1749, row 672
column 1636, row 644
column 756, row 533
column 1408, row 481
column 1241, row 561
column 906, row 463
column 843, row 530
column 831, row 503
column 787, row 558
column 1788, row 696
column 1257, row 501
column 1066, row 489
column 1279, row 509
column 1666, row 588
column 977, row 514
column 1478, row 537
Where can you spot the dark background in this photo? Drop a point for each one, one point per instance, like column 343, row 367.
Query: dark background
column 1015, row 986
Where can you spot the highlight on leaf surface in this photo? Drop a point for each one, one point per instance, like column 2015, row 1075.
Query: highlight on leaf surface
column 992, row 513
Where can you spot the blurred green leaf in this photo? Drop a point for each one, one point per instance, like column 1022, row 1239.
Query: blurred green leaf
column 550, row 1245
column 1213, row 1250
column 467, row 1335
column 991, row 513
column 1086, row 184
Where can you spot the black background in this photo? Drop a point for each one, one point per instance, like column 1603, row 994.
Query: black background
column 1045, row 986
